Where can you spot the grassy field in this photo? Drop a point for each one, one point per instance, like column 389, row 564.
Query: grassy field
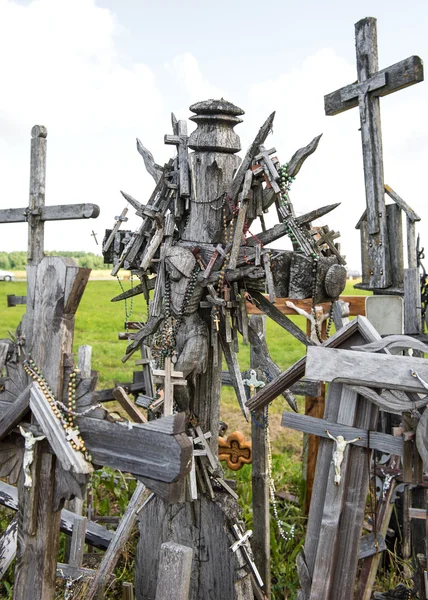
column 98, row 322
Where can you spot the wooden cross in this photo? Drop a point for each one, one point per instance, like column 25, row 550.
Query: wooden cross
column 94, row 235
column 268, row 167
column 235, row 450
column 180, row 140
column 327, row 237
column 37, row 213
column 169, row 377
column 371, row 85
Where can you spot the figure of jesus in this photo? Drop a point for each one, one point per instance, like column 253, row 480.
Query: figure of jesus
column 339, row 452
column 30, row 442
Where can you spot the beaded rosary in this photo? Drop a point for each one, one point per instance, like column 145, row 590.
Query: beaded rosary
column 63, row 413
column 166, row 341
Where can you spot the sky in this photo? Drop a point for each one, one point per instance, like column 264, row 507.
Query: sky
column 100, row 73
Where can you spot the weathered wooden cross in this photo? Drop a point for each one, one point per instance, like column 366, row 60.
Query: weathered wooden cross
column 37, row 213
column 169, row 377
column 371, row 85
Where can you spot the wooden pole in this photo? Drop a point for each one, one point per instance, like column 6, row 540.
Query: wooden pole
column 260, row 480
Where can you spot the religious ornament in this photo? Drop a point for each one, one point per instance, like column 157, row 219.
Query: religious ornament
column 235, row 450
column 339, row 453
column 30, row 442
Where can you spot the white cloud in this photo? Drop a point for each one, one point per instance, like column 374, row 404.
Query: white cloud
column 186, row 70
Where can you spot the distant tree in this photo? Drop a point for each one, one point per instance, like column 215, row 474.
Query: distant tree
column 4, row 261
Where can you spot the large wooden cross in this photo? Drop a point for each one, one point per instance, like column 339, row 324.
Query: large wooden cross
column 365, row 93
column 37, row 213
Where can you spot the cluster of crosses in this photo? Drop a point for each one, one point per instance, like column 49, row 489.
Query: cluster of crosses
column 201, row 271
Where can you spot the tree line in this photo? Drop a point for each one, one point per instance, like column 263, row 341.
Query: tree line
column 17, row 261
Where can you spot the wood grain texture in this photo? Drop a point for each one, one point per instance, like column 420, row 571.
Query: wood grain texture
column 370, row 370
column 175, row 566
column 14, row 413
column 117, row 544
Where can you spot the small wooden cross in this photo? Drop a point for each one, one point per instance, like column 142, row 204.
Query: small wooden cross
column 94, row 235
column 37, row 213
column 235, row 450
column 169, row 378
column 371, row 85
column 180, row 140
column 327, row 237
column 267, row 164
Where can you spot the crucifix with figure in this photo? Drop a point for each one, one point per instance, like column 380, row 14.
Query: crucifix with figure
column 371, row 85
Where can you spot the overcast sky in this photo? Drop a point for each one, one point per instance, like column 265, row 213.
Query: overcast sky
column 100, row 73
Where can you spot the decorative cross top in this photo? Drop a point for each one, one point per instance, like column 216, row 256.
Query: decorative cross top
column 37, row 213
column 242, row 542
column 169, row 377
column 253, row 382
column 371, row 85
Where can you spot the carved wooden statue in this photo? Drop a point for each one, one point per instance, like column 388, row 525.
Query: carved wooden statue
column 193, row 248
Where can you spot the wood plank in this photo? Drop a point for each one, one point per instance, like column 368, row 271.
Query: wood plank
column 15, row 413
column 359, row 327
column 175, row 568
column 271, row 311
column 410, row 213
column 398, row 76
column 395, row 240
column 260, row 480
column 96, row 535
column 78, row 541
column 8, row 545
column 37, row 194
column 412, row 301
column 374, row 440
column 370, row 370
column 356, row 305
column 126, row 403
column 117, row 543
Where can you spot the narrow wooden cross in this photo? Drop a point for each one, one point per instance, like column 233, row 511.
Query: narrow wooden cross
column 180, row 140
column 37, row 213
column 94, row 235
column 169, row 377
column 371, row 85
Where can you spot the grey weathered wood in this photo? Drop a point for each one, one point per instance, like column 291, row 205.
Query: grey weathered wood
column 401, row 75
column 37, row 193
column 370, row 370
column 54, row 289
column 70, row 459
column 152, row 167
column 175, row 567
column 372, row 84
column 51, row 213
column 84, row 361
column 117, row 543
column 374, row 440
column 296, row 161
column 119, row 220
column 410, row 213
column 271, row 311
column 260, row 138
column 126, row 403
column 395, row 240
column 78, row 541
column 8, row 546
column 159, row 449
column 389, row 402
column 151, row 249
column 411, row 244
column 368, row 547
column 260, row 481
column 269, row 277
column 14, row 414
column 358, row 329
column 96, row 535
column 235, row 372
column 180, row 140
column 127, row 591
column 412, row 301
column 240, row 221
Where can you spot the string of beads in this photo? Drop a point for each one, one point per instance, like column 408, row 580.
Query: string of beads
column 65, row 414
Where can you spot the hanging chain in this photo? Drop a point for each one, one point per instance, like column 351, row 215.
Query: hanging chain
column 128, row 313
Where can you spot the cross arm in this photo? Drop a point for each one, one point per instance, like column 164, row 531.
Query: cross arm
column 51, row 213
column 376, row 441
column 399, row 76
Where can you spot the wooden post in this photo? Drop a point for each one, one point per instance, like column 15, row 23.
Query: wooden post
column 55, row 302
column 260, row 480
column 175, row 568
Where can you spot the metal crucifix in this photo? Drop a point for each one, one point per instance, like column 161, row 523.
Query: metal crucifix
column 371, row 85
column 37, row 213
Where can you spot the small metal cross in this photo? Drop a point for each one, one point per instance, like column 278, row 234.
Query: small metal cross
column 253, row 382
column 243, row 544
